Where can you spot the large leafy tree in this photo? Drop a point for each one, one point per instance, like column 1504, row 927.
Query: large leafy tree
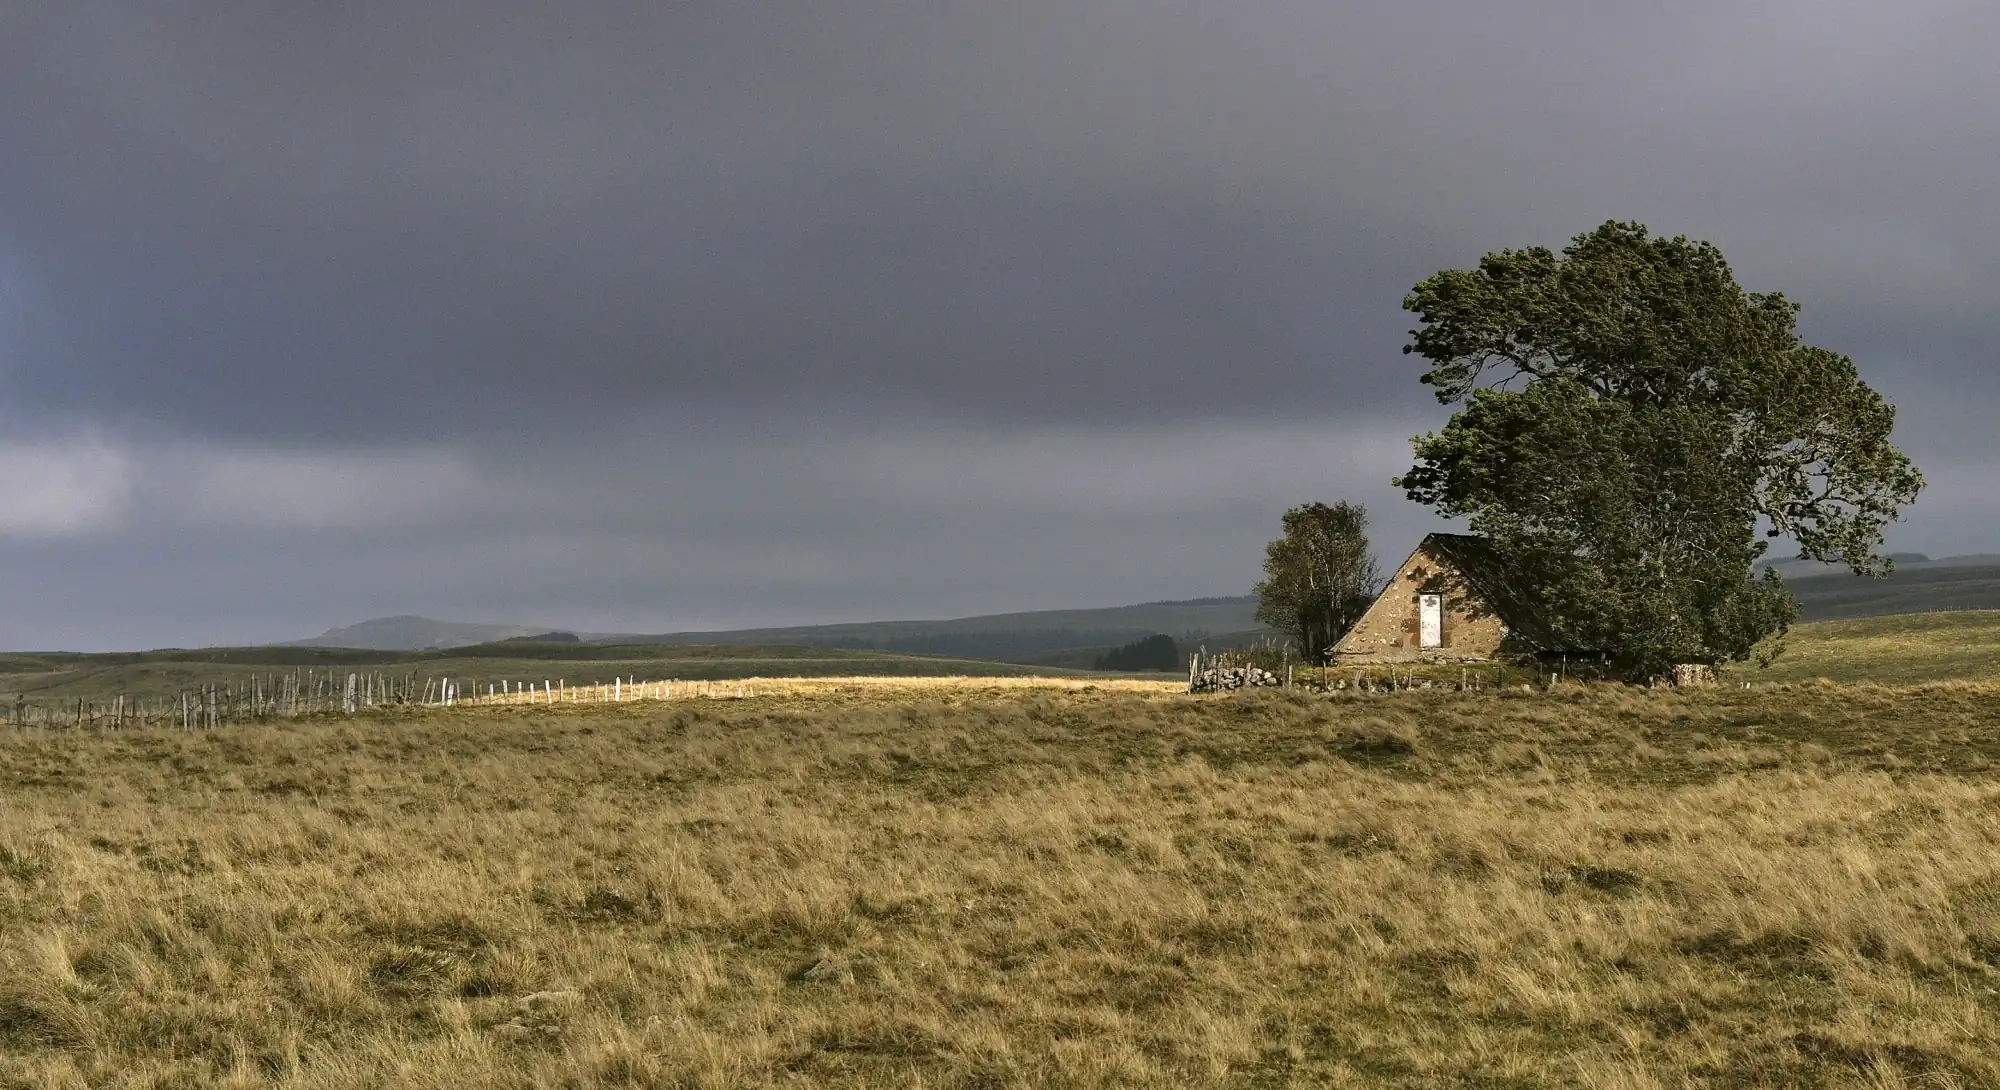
column 1319, row 577
column 1633, row 429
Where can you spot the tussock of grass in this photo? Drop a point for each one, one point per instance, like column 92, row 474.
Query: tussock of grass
column 994, row 887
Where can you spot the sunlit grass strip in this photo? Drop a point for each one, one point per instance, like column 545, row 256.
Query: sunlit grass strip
column 560, row 692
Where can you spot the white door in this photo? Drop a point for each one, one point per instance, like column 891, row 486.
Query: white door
column 1430, row 620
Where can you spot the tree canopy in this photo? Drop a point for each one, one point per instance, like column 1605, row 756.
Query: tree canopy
column 1634, row 429
column 1319, row 577
column 1156, row 652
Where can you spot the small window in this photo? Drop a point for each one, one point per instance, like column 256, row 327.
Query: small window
column 1430, row 620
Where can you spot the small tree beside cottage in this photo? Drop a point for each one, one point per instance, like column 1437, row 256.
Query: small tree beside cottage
column 1319, row 577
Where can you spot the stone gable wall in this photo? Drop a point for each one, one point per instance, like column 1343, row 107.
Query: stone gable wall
column 1388, row 631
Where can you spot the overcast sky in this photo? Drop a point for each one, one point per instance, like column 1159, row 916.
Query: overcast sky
column 656, row 316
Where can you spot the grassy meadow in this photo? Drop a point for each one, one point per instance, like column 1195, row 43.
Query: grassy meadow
column 964, row 884
column 1910, row 647
column 56, row 678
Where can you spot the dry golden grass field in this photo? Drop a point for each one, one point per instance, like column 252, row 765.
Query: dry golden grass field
column 970, row 885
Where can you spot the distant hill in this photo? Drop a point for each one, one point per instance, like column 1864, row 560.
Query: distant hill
column 1792, row 567
column 999, row 637
column 1950, row 583
column 409, row 633
column 1040, row 636
column 1075, row 637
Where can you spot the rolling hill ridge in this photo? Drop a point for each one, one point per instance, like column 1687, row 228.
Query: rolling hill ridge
column 1069, row 637
column 1000, row 636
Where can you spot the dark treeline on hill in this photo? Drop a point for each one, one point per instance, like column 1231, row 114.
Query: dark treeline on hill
column 1152, row 653
column 1001, row 636
column 1008, row 636
column 985, row 644
column 1001, row 646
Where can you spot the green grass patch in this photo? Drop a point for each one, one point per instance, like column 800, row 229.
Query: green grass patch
column 1911, row 647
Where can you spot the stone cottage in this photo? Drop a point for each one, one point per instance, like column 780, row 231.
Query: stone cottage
column 1449, row 602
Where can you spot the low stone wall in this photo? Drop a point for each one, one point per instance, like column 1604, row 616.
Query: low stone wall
column 1230, row 678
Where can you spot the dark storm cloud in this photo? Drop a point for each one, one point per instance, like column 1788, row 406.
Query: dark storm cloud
column 485, row 251
column 339, row 222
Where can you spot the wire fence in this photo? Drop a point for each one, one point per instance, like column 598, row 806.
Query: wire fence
column 302, row 693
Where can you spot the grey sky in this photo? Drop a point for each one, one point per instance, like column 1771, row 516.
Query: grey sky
column 679, row 315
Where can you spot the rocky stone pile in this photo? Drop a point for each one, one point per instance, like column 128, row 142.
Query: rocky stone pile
column 1692, row 674
column 1230, row 678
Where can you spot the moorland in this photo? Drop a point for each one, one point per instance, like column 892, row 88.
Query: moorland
column 958, row 883
column 1901, row 648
